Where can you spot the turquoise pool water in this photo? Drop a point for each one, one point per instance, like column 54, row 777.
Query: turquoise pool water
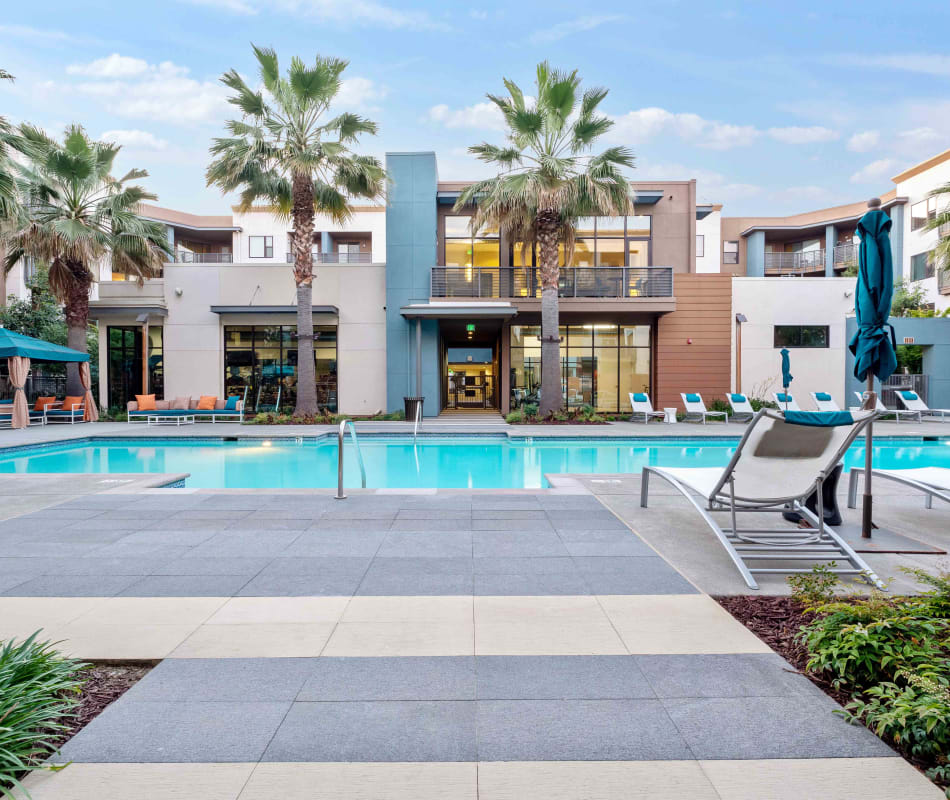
column 394, row 462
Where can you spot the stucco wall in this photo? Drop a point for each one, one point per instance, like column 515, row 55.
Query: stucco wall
column 709, row 228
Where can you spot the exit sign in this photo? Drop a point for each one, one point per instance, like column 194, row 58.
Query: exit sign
column 908, row 340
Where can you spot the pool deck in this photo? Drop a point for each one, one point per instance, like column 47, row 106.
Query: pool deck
column 434, row 645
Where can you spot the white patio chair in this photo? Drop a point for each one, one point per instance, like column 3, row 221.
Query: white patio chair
column 640, row 403
column 912, row 402
column 932, row 481
column 791, row 405
column 779, row 462
column 897, row 412
column 824, row 401
column 741, row 407
column 695, row 407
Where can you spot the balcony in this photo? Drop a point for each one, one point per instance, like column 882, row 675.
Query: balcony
column 525, row 282
column 846, row 255
column 808, row 262
column 188, row 257
column 337, row 258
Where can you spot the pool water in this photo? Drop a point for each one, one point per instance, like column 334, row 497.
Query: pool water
column 394, row 462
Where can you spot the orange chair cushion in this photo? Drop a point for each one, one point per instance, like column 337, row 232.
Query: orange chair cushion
column 146, row 402
column 69, row 402
column 42, row 402
column 206, row 402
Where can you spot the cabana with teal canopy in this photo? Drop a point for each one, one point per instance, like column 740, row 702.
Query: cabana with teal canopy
column 19, row 350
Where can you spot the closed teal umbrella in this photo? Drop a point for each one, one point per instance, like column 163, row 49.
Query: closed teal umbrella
column 873, row 343
column 787, row 376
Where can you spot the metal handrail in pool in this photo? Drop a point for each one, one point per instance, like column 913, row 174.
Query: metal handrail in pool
column 359, row 456
column 415, row 428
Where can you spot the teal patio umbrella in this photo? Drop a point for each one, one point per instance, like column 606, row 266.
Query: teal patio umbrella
column 787, row 376
column 873, row 343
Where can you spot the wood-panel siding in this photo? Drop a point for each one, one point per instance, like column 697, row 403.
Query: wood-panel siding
column 704, row 315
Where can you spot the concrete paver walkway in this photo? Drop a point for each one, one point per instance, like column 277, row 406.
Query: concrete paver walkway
column 490, row 645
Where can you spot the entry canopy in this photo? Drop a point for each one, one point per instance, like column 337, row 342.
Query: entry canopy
column 460, row 309
column 16, row 344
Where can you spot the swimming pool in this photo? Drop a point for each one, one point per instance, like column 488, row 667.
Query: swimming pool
column 476, row 462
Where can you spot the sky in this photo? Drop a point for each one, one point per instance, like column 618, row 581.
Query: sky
column 773, row 108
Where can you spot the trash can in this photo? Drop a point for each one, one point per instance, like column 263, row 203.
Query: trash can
column 411, row 404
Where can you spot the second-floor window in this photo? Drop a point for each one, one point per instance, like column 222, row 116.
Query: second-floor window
column 922, row 266
column 800, row 336
column 700, row 245
column 923, row 212
column 462, row 249
column 260, row 246
column 730, row 252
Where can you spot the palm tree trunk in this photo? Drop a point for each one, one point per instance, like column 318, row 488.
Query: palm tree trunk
column 76, row 311
column 303, row 277
column 551, row 396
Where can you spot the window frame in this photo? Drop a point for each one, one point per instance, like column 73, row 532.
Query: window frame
column 268, row 246
column 930, row 267
column 733, row 253
column 700, row 245
column 777, row 345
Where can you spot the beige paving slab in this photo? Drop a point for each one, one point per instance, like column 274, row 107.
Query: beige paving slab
column 820, row 778
column 593, row 780
column 278, row 610
column 402, row 638
column 259, row 640
column 564, row 625
column 44, row 611
column 396, row 781
column 456, row 609
column 152, row 610
column 678, row 623
column 140, row 782
column 120, row 642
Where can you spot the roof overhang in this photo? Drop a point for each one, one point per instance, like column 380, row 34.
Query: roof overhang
column 229, row 228
column 459, row 309
column 647, row 197
column 270, row 310
column 895, row 201
column 703, row 211
column 96, row 310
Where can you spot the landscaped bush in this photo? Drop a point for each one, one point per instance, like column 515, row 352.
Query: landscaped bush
column 39, row 691
column 582, row 415
column 270, row 418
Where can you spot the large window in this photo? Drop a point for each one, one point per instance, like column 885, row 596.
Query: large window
column 801, row 336
column 124, row 357
column 260, row 246
column 600, row 364
column 263, row 358
column 922, row 266
column 730, row 252
column 602, row 242
column 463, row 249
column 923, row 212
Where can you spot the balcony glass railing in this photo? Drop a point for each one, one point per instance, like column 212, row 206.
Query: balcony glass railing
column 188, row 257
column 337, row 258
column 525, row 282
column 801, row 263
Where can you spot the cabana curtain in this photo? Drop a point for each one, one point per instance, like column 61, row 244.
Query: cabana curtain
column 19, row 367
column 90, row 412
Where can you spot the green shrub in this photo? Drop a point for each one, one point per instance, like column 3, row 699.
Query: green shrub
column 720, row 405
column 936, row 600
column 814, row 588
column 530, row 409
column 516, row 417
column 758, row 403
column 39, row 690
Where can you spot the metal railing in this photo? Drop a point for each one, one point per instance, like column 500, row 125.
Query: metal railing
column 525, row 282
column 336, row 258
column 899, row 382
column 359, row 456
column 730, row 257
column 795, row 263
column 415, row 427
column 846, row 254
column 187, row 257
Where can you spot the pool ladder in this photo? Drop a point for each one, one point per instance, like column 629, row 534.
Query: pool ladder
column 415, row 427
column 359, row 456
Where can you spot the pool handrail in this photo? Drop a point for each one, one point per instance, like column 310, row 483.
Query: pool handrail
column 415, row 428
column 359, row 455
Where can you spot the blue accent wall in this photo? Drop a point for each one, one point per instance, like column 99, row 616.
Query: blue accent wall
column 755, row 255
column 831, row 239
column 933, row 334
column 410, row 257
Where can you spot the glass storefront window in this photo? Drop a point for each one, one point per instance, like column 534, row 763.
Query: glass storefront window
column 639, row 253
column 462, row 249
column 610, row 226
column 124, row 359
column 583, row 253
column 639, row 225
column 602, row 242
column 610, row 252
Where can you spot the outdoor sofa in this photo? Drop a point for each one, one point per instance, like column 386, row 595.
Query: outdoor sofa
column 229, row 410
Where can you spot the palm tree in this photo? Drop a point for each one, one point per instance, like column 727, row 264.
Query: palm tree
column 941, row 221
column 7, row 190
column 287, row 153
column 77, row 219
column 547, row 179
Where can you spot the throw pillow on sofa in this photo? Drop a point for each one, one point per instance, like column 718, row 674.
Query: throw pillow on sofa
column 75, row 403
column 206, row 402
column 182, row 403
column 146, row 402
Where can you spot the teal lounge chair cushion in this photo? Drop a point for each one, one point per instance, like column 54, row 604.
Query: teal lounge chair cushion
column 738, row 398
column 56, row 412
column 823, row 396
column 639, row 397
column 819, row 419
column 693, row 398
column 784, row 398
column 909, row 395
column 231, row 405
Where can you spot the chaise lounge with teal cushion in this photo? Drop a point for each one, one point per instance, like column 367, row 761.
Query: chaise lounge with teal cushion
column 231, row 410
column 6, row 416
column 742, row 410
column 912, row 402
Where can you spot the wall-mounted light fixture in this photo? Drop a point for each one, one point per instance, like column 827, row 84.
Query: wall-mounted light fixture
column 179, row 291
column 740, row 318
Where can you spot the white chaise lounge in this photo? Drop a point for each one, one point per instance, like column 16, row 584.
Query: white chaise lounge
column 824, row 401
column 912, row 402
column 741, row 407
column 897, row 412
column 640, row 403
column 932, row 481
column 789, row 404
column 695, row 407
column 780, row 461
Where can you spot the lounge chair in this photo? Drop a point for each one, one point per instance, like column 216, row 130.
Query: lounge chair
column 780, row 461
column 68, row 411
column 640, row 403
column 6, row 416
column 932, row 481
column 741, row 407
column 780, row 399
column 695, row 407
column 897, row 412
column 912, row 402
column 824, row 401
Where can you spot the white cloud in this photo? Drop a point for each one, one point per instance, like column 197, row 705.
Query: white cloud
column 564, row 29
column 114, row 66
column 342, row 12
column 711, row 186
column 35, row 35
column 234, row 6
column 864, row 141
column 919, row 138
column 803, row 135
column 922, row 63
column 878, row 170
column 360, row 93
column 637, row 127
column 135, row 139
column 481, row 115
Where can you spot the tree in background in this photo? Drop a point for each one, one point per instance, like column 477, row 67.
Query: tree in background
column 547, row 179
column 288, row 154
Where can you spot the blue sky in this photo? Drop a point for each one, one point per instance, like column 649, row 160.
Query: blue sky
column 773, row 110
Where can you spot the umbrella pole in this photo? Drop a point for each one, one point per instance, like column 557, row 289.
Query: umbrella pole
column 870, row 402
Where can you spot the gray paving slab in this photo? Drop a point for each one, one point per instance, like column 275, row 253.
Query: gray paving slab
column 326, row 585
column 513, row 584
column 429, row 544
column 515, row 543
column 213, row 565
column 171, row 535
column 632, row 575
column 62, row 549
column 98, row 564
column 560, row 677
column 438, row 513
column 343, row 566
column 355, row 525
column 10, row 580
column 336, row 543
column 186, row 586
column 384, row 678
column 236, row 680
column 446, row 524
column 38, row 534
column 770, row 727
column 577, row 730
column 178, row 524
column 605, row 543
column 537, row 525
column 417, row 576
column 523, row 565
column 263, row 522
column 72, row 586
column 246, row 543
column 376, row 731
column 155, row 551
column 155, row 732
